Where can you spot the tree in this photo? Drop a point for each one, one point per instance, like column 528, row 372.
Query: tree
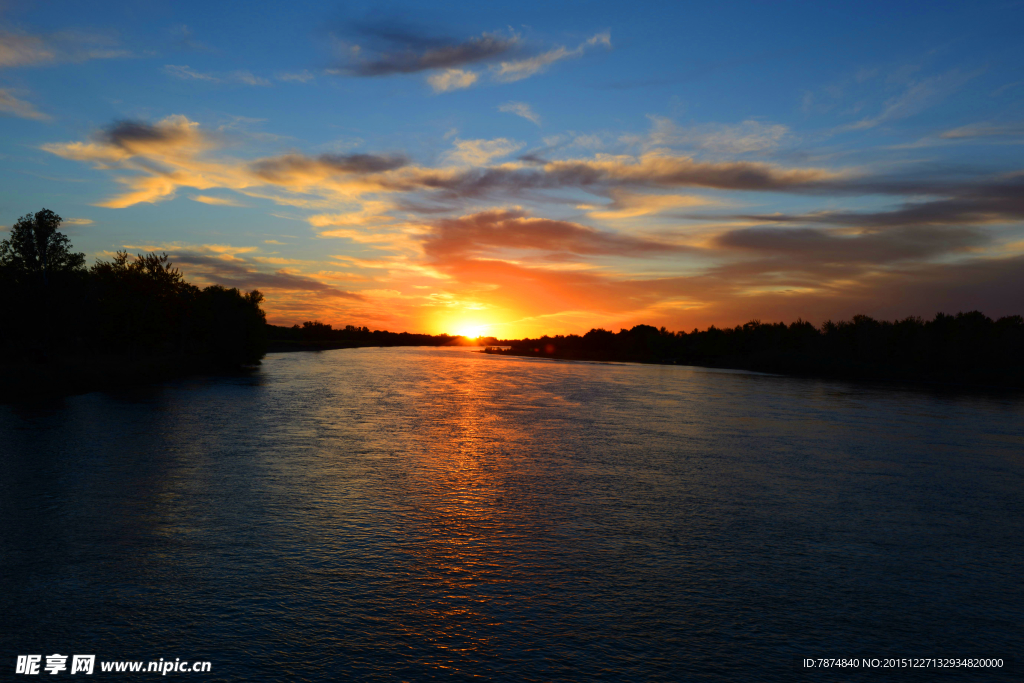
column 37, row 249
column 144, row 302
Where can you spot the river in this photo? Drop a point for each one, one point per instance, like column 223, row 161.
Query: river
column 440, row 514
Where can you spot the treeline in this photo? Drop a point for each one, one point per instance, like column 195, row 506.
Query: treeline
column 314, row 334
column 137, row 314
column 968, row 348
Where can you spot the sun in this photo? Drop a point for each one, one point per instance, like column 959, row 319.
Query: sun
column 471, row 331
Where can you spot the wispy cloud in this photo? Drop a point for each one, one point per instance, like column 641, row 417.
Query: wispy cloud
column 185, row 72
column 78, row 221
column 517, row 70
column 11, row 105
column 297, row 77
column 917, row 97
column 1003, row 88
column 521, row 109
column 248, row 78
column 22, row 49
column 740, row 138
column 981, row 130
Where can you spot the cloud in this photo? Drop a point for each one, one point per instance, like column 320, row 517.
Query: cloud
column 244, row 77
column 491, row 232
column 819, row 247
column 367, row 213
column 78, row 221
column 399, row 48
column 659, row 169
column 300, row 77
column 520, row 109
column 164, row 153
column 137, row 137
column 215, row 201
column 249, row 79
column 21, row 49
column 481, row 152
column 741, row 138
column 451, row 79
column 24, row 50
column 604, row 173
column 302, row 170
column 511, row 71
column 393, row 47
column 916, row 98
column 979, row 130
column 1003, row 88
column 159, row 158
column 183, row 71
column 174, row 153
column 1000, row 200
column 11, row 105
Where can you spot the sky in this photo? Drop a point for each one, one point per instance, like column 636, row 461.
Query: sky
column 519, row 169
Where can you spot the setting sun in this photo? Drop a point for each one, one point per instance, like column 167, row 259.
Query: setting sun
column 471, row 331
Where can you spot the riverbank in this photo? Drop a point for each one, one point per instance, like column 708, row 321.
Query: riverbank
column 35, row 379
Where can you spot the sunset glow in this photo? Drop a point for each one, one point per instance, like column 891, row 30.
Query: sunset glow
column 471, row 332
column 553, row 173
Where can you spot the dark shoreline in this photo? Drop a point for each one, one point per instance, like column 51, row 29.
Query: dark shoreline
column 35, row 380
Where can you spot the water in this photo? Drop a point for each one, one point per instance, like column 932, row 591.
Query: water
column 438, row 514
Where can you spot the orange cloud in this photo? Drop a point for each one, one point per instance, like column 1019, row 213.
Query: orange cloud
column 493, row 232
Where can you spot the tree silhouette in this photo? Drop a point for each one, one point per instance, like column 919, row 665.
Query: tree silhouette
column 36, row 249
column 138, row 310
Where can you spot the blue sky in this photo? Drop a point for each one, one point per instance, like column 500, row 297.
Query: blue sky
column 542, row 167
